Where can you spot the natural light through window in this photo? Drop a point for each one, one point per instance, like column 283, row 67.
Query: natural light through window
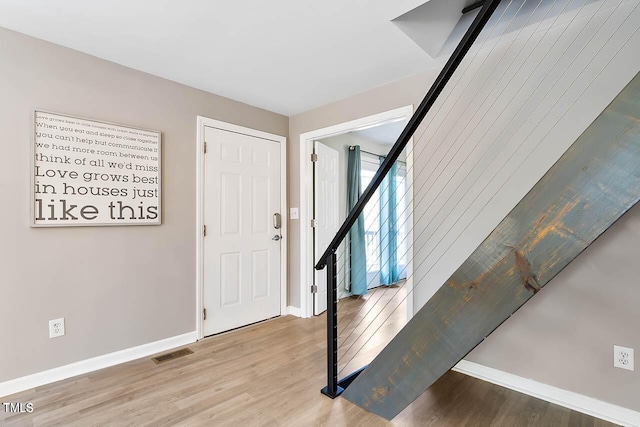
column 369, row 166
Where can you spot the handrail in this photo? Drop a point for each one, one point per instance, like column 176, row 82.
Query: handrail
column 438, row 86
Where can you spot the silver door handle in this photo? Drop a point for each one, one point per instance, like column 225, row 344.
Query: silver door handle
column 276, row 237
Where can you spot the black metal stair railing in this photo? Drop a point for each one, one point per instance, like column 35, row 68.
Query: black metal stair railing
column 328, row 258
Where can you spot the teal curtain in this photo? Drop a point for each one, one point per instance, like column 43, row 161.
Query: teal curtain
column 388, row 232
column 357, row 250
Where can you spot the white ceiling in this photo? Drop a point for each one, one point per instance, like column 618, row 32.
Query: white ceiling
column 287, row 56
column 384, row 134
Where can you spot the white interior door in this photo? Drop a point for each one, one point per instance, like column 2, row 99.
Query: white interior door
column 242, row 245
column 326, row 198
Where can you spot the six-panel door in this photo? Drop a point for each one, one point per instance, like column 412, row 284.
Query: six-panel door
column 241, row 250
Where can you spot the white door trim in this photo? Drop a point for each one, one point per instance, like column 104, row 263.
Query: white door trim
column 306, row 190
column 207, row 122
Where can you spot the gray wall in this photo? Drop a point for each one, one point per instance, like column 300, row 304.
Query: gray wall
column 117, row 287
column 493, row 134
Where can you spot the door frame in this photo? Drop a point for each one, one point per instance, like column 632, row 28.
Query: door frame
column 202, row 123
column 306, row 200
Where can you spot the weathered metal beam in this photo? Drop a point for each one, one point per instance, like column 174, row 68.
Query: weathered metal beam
column 592, row 185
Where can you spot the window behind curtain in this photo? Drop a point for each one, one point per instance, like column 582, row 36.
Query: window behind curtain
column 369, row 166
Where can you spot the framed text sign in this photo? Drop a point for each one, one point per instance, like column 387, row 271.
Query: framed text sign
column 89, row 173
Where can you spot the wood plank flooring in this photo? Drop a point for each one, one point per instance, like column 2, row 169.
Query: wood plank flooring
column 367, row 323
column 268, row 374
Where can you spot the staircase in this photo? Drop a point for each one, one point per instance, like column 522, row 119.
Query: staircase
column 593, row 183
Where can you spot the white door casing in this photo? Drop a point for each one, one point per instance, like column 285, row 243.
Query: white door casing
column 241, row 261
column 326, row 206
column 306, row 273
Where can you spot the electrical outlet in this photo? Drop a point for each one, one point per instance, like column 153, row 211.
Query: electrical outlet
column 623, row 357
column 56, row 328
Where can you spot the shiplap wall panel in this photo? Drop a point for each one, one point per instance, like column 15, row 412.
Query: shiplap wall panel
column 590, row 187
column 528, row 89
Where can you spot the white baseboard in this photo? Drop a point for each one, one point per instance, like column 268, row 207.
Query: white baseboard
column 78, row 368
column 568, row 399
column 294, row 311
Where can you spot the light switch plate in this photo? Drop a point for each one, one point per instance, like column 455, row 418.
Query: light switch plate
column 294, row 213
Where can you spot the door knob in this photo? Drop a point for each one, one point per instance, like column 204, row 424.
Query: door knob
column 276, row 237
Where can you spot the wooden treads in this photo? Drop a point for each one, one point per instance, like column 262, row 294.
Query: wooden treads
column 592, row 185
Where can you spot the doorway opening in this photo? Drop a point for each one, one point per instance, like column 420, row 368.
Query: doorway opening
column 331, row 187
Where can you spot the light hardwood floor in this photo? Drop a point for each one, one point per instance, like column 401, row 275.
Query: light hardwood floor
column 268, row 374
column 367, row 323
